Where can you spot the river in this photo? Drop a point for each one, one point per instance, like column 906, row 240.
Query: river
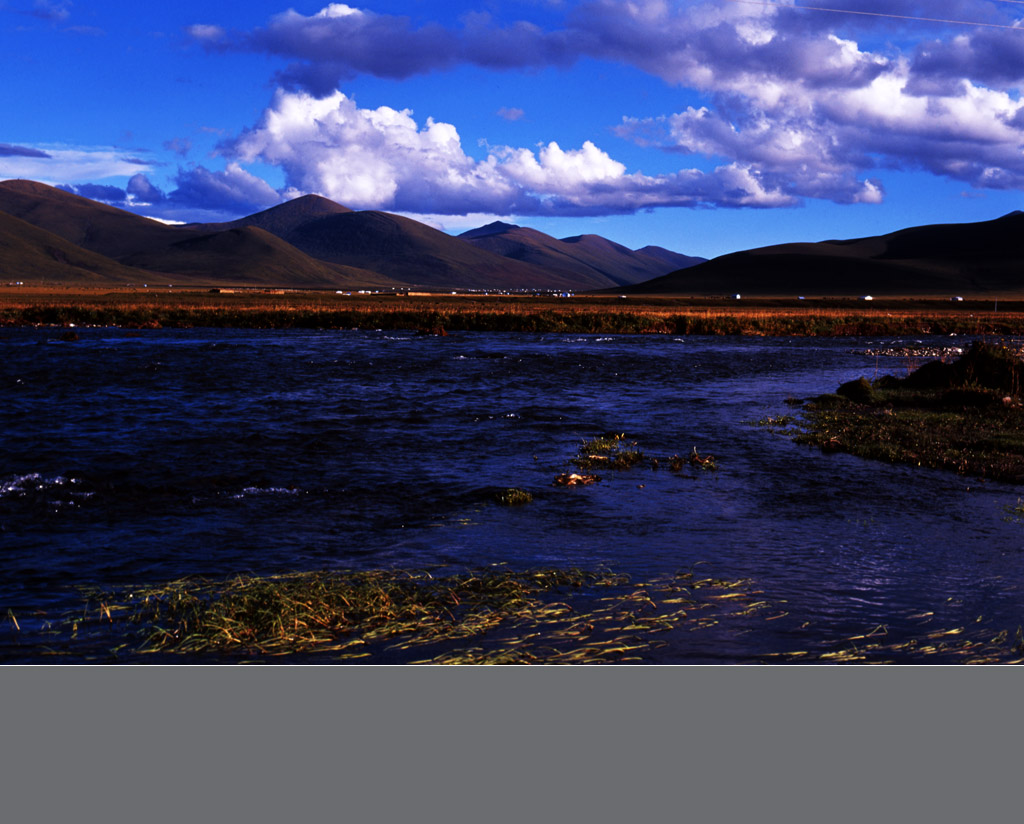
column 142, row 456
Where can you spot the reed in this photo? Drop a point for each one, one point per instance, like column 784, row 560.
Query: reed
column 580, row 315
column 491, row 615
column 486, row 616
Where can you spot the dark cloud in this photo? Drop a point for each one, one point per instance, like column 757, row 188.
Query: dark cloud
column 340, row 42
column 675, row 42
column 7, row 150
column 995, row 58
column 181, row 146
column 201, row 195
column 49, row 10
column 95, row 191
column 234, row 190
column 141, row 189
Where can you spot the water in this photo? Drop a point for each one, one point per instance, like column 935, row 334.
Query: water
column 134, row 457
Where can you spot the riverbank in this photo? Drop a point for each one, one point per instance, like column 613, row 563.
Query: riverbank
column 965, row 415
column 278, row 309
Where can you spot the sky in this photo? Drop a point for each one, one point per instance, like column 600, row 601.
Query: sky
column 705, row 127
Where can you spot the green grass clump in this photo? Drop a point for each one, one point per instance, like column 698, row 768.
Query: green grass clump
column 966, row 416
column 513, row 497
column 608, row 451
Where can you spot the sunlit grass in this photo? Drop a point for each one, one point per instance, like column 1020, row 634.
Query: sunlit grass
column 609, row 452
column 582, row 314
column 491, row 615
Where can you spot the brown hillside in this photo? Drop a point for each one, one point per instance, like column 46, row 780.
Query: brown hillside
column 417, row 254
column 599, row 262
column 33, row 255
column 250, row 255
column 947, row 259
column 285, row 218
column 97, row 227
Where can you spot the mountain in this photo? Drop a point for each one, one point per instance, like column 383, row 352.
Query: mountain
column 28, row 253
column 673, row 259
column 415, row 254
column 285, row 218
column 945, row 259
column 127, row 248
column 601, row 262
column 97, row 227
column 308, row 242
column 252, row 256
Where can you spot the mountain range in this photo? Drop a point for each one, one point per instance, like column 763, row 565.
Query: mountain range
column 48, row 234
column 943, row 259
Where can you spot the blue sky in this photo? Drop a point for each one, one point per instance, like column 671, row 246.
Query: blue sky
column 704, row 127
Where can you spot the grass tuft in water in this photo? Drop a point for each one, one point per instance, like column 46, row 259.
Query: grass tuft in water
column 608, row 451
column 513, row 497
column 492, row 615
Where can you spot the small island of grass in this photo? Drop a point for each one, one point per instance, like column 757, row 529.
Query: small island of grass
column 965, row 415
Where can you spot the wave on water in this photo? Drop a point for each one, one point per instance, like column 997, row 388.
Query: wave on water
column 22, row 485
column 257, row 491
column 35, row 489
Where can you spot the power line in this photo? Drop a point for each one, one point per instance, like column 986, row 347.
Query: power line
column 884, row 14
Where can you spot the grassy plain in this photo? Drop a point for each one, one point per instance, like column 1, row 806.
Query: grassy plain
column 268, row 309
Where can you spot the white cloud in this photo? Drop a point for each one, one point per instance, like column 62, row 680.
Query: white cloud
column 205, row 33
column 336, row 10
column 71, row 164
column 383, row 159
column 814, row 102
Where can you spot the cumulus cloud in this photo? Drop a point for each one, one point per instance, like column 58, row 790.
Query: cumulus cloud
column 510, row 113
column 815, row 112
column 811, row 103
column 233, row 190
column 141, row 190
column 384, row 159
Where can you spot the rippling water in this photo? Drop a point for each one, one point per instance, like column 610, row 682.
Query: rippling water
column 133, row 457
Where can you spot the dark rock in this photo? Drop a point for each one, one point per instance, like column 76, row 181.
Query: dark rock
column 858, row 391
column 970, row 398
column 932, row 375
